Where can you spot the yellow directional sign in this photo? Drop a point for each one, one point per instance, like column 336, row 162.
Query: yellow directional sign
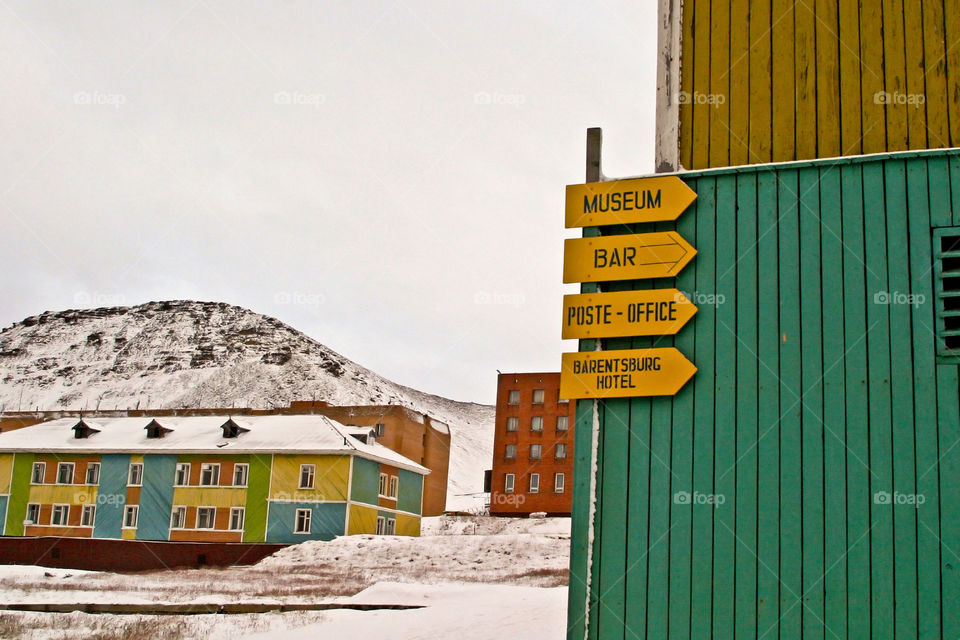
column 624, row 373
column 627, row 201
column 628, row 257
column 650, row 312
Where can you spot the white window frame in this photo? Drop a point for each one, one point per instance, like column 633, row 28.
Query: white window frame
column 32, row 506
column 534, row 483
column 211, row 471
column 42, row 468
column 61, row 466
column 234, row 511
column 64, row 510
column 394, row 487
column 178, row 517
column 244, row 469
column 127, row 519
column 182, row 473
column 513, row 424
column 391, row 527
column 510, row 452
column 509, row 483
column 381, row 525
column 135, row 472
column 382, row 489
column 213, row 518
column 539, row 393
column 557, row 449
column 536, row 423
column 565, row 421
column 88, row 515
column 559, row 482
column 539, row 449
column 307, row 518
column 513, row 397
column 311, row 471
column 93, row 469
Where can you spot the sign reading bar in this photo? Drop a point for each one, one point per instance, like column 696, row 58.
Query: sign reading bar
column 629, row 257
column 627, row 201
column 624, row 373
column 625, row 313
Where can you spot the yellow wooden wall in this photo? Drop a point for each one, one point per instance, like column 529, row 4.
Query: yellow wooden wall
column 777, row 80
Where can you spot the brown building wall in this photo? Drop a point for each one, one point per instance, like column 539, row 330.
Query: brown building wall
column 522, row 501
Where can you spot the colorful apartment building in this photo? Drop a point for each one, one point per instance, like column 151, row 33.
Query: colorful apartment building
column 532, row 446
column 218, row 479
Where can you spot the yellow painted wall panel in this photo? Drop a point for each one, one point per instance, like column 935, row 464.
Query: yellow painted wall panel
column 784, row 104
column 701, row 84
column 848, row 31
column 331, row 476
column 362, row 520
column 408, row 525
column 6, row 471
column 128, row 534
column 718, row 96
column 738, row 99
column 761, row 71
column 686, row 84
column 63, row 494
column 935, row 75
column 805, row 72
column 895, row 81
column 827, row 66
column 210, row 496
column 915, row 82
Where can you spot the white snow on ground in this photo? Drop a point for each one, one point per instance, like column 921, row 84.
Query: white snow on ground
column 461, row 611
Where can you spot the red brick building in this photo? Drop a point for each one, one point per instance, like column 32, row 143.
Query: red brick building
column 532, row 446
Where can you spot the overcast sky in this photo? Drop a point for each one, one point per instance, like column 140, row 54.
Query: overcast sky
column 387, row 177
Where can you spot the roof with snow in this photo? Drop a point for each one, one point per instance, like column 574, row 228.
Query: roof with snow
column 293, row 434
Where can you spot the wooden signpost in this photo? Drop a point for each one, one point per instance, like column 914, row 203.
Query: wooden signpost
column 597, row 204
column 628, row 257
column 624, row 373
column 650, row 312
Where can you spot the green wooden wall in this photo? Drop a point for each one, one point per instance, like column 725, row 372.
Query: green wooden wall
column 812, row 396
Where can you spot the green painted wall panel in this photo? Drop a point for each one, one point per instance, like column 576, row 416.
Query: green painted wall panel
column 258, row 490
column 365, row 482
column 411, row 491
column 19, row 494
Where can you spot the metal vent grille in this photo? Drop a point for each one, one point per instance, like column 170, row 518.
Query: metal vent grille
column 946, row 251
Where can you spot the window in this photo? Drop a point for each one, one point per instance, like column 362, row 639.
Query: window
column 130, row 515
column 563, row 401
column 39, row 470
column 381, row 525
column 513, row 423
column 65, row 473
column 241, row 472
column 535, row 451
column 33, row 514
column 135, row 475
column 88, row 515
column 559, row 480
column 946, row 266
column 93, row 473
column 562, row 423
column 513, row 397
column 182, row 477
column 206, row 517
column 534, row 483
column 209, row 474
column 383, row 485
column 307, row 472
column 538, row 396
column 508, row 483
column 511, row 452
column 380, row 429
column 236, row 518
column 302, row 522
column 560, row 451
column 394, row 486
column 391, row 526
column 61, row 513
column 178, row 518
column 536, row 423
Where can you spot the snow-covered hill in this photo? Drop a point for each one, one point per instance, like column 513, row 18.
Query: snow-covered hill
column 201, row 354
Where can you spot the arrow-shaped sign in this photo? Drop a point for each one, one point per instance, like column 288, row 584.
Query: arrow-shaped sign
column 650, row 312
column 627, row 201
column 629, row 257
column 624, row 373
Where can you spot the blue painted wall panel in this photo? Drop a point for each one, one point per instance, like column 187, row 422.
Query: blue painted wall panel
column 366, row 481
column 156, row 497
column 111, row 496
column 328, row 521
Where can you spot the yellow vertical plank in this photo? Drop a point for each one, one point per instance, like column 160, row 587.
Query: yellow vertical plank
column 719, row 83
column 951, row 13
column 687, row 71
column 782, row 86
column 805, row 24
column 828, row 79
column 873, row 117
column 916, row 90
column 760, row 75
column 739, row 102
column 895, row 71
column 848, row 18
column 935, row 74
column 701, row 84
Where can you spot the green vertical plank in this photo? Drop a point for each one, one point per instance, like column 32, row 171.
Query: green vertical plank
column 858, row 497
column 613, row 535
column 791, row 541
column 768, row 417
column 746, row 407
column 901, row 397
column 580, row 515
column 878, row 345
column 925, row 399
column 638, row 518
column 725, row 440
column 19, row 494
column 704, row 323
column 834, row 410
